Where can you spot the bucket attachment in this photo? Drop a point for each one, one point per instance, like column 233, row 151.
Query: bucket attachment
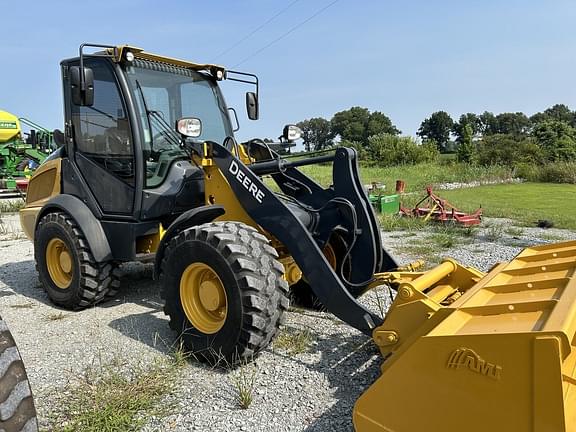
column 466, row 352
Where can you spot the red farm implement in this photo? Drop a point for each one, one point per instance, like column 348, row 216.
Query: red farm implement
column 432, row 207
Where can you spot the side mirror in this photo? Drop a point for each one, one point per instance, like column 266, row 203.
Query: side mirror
column 79, row 97
column 291, row 133
column 252, row 105
column 189, row 126
column 59, row 138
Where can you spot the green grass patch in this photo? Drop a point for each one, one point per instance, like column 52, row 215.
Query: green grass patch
column 526, row 202
column 294, row 341
column 115, row 396
column 417, row 177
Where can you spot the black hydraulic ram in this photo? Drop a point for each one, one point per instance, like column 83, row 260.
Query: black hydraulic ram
column 281, row 165
column 272, row 214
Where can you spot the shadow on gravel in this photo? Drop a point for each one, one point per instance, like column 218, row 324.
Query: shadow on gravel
column 21, row 278
column 351, row 363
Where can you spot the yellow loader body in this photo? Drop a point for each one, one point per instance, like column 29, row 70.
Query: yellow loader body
column 479, row 353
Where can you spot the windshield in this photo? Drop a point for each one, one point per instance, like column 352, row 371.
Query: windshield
column 165, row 94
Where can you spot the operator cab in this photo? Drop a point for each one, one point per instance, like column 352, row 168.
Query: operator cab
column 127, row 158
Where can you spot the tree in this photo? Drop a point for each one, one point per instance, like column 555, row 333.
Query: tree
column 379, row 123
column 488, row 124
column 389, row 150
column 358, row 124
column 437, row 128
column 516, row 124
column 351, row 124
column 316, row 133
column 557, row 139
column 558, row 112
column 471, row 120
column 499, row 149
column 466, row 149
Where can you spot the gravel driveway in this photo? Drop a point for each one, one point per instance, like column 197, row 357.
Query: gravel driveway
column 311, row 391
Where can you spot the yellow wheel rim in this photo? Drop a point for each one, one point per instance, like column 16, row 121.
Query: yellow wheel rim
column 330, row 255
column 59, row 263
column 203, row 298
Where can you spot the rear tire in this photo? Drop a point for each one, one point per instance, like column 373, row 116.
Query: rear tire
column 254, row 293
column 17, row 412
column 66, row 267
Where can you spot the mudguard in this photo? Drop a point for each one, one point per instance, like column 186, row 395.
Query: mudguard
column 192, row 217
column 88, row 223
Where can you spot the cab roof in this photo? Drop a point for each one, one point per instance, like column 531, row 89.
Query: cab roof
column 119, row 54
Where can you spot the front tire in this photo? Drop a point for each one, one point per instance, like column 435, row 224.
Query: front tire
column 66, row 267
column 224, row 291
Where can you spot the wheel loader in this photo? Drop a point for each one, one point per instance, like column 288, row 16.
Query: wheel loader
column 149, row 169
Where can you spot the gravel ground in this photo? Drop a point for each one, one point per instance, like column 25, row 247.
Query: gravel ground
column 312, row 391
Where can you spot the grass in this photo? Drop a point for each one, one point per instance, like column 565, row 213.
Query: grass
column 417, row 177
column 244, row 381
column 494, row 232
column 11, row 205
column 115, row 395
column 550, row 237
column 431, row 248
column 525, row 202
column 56, row 316
column 514, row 231
column 294, row 341
column 22, row 306
column 389, row 222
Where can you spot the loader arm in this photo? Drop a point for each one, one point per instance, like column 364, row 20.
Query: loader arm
column 272, row 214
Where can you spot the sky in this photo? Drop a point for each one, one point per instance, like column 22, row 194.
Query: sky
column 406, row 59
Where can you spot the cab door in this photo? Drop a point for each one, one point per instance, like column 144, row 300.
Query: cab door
column 101, row 144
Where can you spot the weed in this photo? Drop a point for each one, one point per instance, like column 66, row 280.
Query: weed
column 550, row 237
column 113, row 396
column 514, row 231
column 56, row 316
column 444, row 240
column 294, row 341
column 494, row 232
column 403, row 235
column 390, row 222
column 179, row 355
column 11, row 206
column 244, row 380
column 427, row 252
column 22, row 306
column 469, row 231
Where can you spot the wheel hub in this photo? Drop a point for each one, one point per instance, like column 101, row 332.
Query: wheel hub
column 203, row 298
column 59, row 263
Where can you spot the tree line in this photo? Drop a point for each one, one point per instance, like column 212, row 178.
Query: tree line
column 487, row 138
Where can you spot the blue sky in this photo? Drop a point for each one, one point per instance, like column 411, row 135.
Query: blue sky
column 406, row 59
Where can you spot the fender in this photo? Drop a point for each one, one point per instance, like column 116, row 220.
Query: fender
column 88, row 223
column 192, row 217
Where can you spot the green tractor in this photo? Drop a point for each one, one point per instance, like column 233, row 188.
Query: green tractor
column 20, row 156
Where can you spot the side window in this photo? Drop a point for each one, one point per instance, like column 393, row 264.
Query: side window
column 102, row 130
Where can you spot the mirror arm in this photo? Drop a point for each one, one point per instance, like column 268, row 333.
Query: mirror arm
column 254, row 82
column 81, row 54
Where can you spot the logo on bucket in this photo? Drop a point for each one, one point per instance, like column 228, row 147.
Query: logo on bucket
column 468, row 359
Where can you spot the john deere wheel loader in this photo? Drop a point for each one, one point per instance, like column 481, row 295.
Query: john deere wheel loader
column 149, row 167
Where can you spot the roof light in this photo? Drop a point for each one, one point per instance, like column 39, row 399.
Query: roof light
column 129, row 56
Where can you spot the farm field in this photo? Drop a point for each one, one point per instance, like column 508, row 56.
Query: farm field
column 525, row 203
column 417, row 177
